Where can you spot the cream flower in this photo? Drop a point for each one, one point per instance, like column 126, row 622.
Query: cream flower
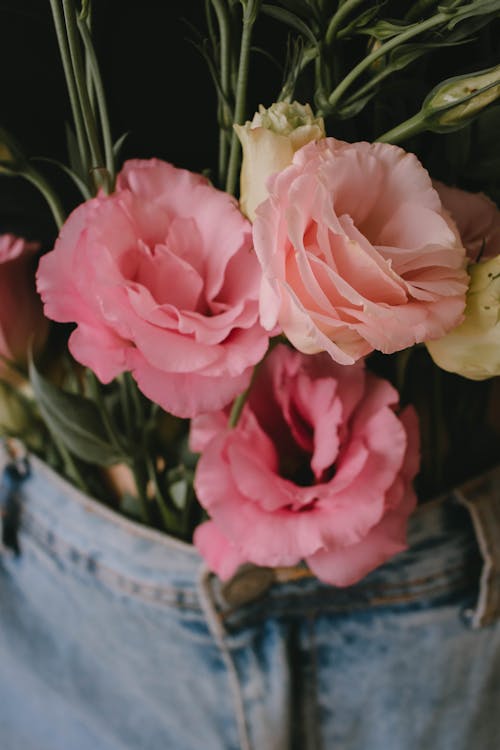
column 473, row 348
column 269, row 142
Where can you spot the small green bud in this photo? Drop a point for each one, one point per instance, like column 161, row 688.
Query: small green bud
column 11, row 158
column 15, row 415
column 5, row 156
column 457, row 100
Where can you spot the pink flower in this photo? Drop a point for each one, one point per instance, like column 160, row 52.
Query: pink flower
column 318, row 468
column 161, row 280
column 477, row 219
column 22, row 323
column 357, row 253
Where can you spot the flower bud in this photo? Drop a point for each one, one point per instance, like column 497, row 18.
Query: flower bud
column 11, row 158
column 15, row 414
column 456, row 100
column 473, row 348
column 22, row 322
column 5, row 156
column 269, row 142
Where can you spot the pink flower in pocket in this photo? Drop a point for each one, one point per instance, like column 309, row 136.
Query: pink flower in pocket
column 319, row 468
column 22, row 322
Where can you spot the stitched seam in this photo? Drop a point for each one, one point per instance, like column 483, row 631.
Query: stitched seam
column 303, row 606
column 185, row 599
column 83, row 562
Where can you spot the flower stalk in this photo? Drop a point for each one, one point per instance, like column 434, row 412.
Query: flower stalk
column 225, row 115
column 369, row 60
column 60, row 28
column 250, row 13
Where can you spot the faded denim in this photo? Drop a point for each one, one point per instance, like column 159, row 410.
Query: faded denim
column 114, row 637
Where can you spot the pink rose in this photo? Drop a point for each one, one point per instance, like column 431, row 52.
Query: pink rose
column 318, row 468
column 357, row 253
column 161, row 280
column 477, row 219
column 22, row 323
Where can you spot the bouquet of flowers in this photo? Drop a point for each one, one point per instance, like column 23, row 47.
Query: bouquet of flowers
column 273, row 359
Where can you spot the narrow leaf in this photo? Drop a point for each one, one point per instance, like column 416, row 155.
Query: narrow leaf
column 117, row 146
column 80, row 184
column 290, row 19
column 75, row 421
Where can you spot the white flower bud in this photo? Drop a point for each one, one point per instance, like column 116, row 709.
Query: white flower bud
column 269, row 142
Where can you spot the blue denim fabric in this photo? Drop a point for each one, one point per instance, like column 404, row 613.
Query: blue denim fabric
column 114, row 637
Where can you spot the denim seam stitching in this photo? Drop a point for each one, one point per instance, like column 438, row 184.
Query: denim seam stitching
column 126, row 585
column 304, row 607
column 169, row 596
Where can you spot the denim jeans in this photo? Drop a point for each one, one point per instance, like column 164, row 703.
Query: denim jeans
column 115, row 637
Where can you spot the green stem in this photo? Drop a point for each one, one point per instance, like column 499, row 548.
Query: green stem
column 239, row 401
column 237, row 408
column 45, row 189
column 125, row 405
column 79, row 74
column 322, row 79
column 404, row 130
column 419, row 8
column 135, row 428
column 169, row 518
column 338, row 17
column 140, row 477
column 368, row 61
column 98, row 87
column 72, row 470
column 187, row 520
column 249, row 17
column 135, row 400
column 89, row 81
column 116, row 439
column 60, row 29
column 89, row 85
column 224, row 34
column 402, row 360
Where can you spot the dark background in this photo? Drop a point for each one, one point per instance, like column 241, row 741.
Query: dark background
column 160, row 92
column 158, row 87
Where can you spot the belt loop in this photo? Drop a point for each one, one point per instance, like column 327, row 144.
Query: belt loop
column 481, row 497
column 216, row 624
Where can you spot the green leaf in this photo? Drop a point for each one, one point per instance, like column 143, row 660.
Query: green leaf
column 77, row 180
column 75, row 421
column 466, row 26
column 405, row 54
column 117, row 146
column 290, row 19
column 75, row 160
column 302, row 7
column 131, row 506
column 354, row 106
column 385, row 29
column 476, row 8
column 359, row 24
column 16, row 413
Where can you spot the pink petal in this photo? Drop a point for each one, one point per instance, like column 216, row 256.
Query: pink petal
column 186, row 394
column 222, row 557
